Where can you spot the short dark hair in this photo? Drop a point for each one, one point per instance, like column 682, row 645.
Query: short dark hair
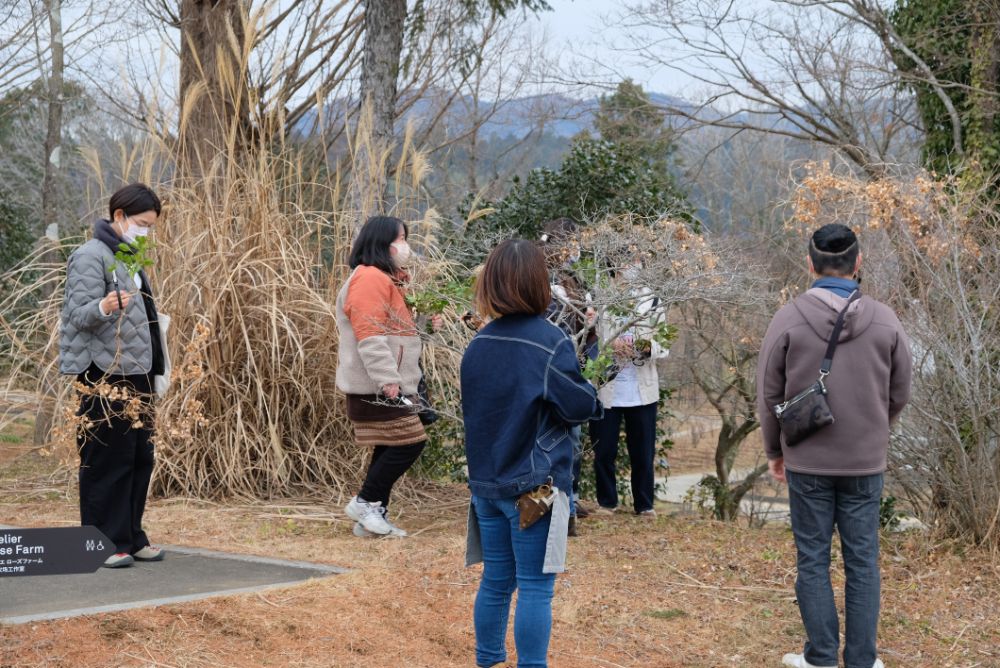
column 558, row 230
column 371, row 247
column 553, row 240
column 514, row 281
column 133, row 199
column 834, row 250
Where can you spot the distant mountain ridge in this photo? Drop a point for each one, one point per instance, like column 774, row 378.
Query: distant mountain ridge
column 560, row 115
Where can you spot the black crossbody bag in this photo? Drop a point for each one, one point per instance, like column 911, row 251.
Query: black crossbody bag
column 808, row 411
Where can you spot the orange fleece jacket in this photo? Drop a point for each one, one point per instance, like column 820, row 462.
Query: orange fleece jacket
column 379, row 342
column 376, row 306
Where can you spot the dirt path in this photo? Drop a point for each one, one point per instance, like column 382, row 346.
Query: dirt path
column 677, row 592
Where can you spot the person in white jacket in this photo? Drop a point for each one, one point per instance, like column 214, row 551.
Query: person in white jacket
column 632, row 395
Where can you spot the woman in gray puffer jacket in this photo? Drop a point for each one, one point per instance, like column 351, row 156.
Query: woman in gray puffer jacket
column 110, row 336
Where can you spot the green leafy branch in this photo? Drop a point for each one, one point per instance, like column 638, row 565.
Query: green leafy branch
column 134, row 257
column 435, row 301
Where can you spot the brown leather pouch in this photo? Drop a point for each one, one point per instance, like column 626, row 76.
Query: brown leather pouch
column 534, row 505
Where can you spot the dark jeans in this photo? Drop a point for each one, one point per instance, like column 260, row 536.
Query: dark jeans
column 640, row 439
column 852, row 504
column 116, row 464
column 388, row 465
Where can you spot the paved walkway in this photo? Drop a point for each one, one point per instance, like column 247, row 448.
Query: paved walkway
column 186, row 574
column 675, row 489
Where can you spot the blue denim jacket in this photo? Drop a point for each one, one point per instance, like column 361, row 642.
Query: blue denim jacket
column 522, row 392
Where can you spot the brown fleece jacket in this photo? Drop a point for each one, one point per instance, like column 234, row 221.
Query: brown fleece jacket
column 868, row 385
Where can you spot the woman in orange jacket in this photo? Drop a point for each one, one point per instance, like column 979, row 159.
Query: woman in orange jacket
column 378, row 367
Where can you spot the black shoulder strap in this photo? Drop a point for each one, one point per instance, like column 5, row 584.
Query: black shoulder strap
column 831, row 346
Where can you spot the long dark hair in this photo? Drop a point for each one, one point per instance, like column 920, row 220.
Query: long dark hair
column 371, row 247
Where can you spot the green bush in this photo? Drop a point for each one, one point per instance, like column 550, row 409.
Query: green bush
column 15, row 235
column 597, row 178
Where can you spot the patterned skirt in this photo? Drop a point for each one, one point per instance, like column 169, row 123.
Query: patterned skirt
column 378, row 424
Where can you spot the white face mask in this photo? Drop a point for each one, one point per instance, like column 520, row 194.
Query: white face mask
column 403, row 253
column 133, row 232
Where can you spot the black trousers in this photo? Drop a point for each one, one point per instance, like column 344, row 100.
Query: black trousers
column 116, row 464
column 577, row 434
column 640, row 439
column 388, row 465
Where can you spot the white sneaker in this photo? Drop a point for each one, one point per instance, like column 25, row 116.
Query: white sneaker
column 119, row 560
column 368, row 515
column 799, row 661
column 362, row 532
column 395, row 530
column 149, row 553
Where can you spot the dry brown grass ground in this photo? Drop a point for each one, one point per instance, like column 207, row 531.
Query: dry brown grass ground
column 680, row 591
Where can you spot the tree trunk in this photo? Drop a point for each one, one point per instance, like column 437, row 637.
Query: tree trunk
column 50, row 215
column 385, row 22
column 984, row 105
column 729, row 496
column 214, row 84
column 53, row 135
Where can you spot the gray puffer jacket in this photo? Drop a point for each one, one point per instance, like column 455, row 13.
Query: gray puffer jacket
column 116, row 344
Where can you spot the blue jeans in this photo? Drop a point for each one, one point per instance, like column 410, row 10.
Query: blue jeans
column 512, row 559
column 852, row 504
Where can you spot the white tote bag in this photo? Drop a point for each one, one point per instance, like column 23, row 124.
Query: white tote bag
column 161, row 383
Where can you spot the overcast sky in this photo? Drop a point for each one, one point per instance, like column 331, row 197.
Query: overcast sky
column 585, row 37
column 585, row 32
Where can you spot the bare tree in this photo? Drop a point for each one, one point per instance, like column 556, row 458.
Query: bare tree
column 19, row 23
column 812, row 70
column 486, row 94
column 320, row 49
column 455, row 24
column 53, row 151
column 721, row 347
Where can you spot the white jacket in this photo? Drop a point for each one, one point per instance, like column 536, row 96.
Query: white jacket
column 650, row 315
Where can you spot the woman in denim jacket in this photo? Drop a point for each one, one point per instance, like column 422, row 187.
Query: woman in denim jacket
column 522, row 393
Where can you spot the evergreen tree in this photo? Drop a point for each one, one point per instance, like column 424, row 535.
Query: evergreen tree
column 15, row 239
column 626, row 171
column 628, row 119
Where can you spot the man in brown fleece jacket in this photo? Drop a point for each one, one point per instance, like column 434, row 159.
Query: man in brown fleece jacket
column 835, row 475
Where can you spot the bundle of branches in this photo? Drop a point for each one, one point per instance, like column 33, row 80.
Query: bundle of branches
column 934, row 250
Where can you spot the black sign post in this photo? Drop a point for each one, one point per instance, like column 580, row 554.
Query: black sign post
column 52, row 551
